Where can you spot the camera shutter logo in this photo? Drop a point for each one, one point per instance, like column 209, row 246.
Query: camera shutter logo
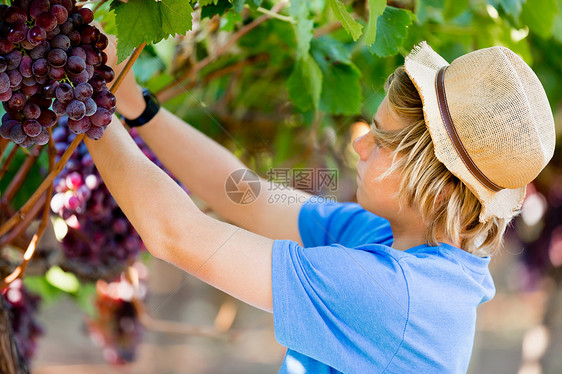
column 243, row 186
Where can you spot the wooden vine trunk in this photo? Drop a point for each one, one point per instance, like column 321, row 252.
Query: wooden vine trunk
column 11, row 361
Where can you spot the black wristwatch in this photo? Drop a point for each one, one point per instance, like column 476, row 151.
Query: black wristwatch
column 152, row 107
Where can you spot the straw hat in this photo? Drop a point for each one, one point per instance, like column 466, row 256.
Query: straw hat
column 489, row 119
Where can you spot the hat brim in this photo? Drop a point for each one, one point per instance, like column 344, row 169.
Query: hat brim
column 422, row 65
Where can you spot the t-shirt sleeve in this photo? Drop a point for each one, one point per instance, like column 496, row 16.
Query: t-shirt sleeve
column 325, row 223
column 344, row 307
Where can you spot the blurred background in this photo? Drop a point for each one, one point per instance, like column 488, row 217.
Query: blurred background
column 282, row 87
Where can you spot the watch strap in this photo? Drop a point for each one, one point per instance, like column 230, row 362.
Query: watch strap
column 152, row 107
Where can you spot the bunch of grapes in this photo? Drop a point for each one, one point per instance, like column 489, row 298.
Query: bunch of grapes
column 49, row 51
column 100, row 240
column 116, row 326
column 23, row 307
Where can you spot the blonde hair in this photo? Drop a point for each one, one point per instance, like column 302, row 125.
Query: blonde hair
column 448, row 208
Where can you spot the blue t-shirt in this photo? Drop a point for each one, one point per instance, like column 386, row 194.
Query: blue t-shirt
column 348, row 302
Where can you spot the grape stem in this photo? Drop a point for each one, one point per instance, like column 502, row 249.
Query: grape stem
column 9, row 159
column 48, row 181
column 18, row 272
column 20, row 176
column 190, row 74
column 178, row 89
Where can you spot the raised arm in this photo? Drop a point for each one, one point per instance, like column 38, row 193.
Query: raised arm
column 175, row 230
column 203, row 166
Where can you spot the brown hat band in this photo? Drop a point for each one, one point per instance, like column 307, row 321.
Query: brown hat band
column 454, row 136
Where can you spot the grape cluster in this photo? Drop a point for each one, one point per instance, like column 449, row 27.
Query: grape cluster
column 23, row 307
column 116, row 327
column 100, row 240
column 49, row 51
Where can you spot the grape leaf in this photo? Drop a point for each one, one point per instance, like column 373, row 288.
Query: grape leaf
column 303, row 26
column 539, row 16
column 305, row 83
column 203, row 3
column 392, row 28
column 512, row 7
column 350, row 25
column 376, row 8
column 149, row 21
column 341, row 88
column 219, row 8
column 238, row 5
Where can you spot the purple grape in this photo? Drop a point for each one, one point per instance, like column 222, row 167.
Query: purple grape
column 60, row 13
column 90, row 70
column 76, row 79
column 30, row 90
column 93, row 56
column 4, row 82
column 31, row 111
column 40, row 68
column 83, row 91
column 61, row 41
column 98, row 83
column 31, row 127
column 5, row 96
column 40, row 51
column 77, row 19
column 89, row 35
column 25, row 66
column 76, row 110
column 48, row 118
column 105, row 99
column 31, row 81
column 57, row 73
column 75, row 38
column 54, row 32
column 102, row 44
column 64, row 93
column 17, row 101
column 91, row 107
column 28, row 142
column 95, row 132
column 15, row 15
column 6, row 46
column 57, row 57
column 49, row 92
column 3, row 64
column 101, row 118
column 46, row 21
column 13, row 59
column 6, row 128
column 42, row 138
column 42, row 80
column 75, row 64
column 18, row 33
column 15, row 78
column 59, row 108
column 86, row 14
column 67, row 27
column 78, row 51
column 17, row 134
column 80, row 126
column 36, row 35
column 37, row 7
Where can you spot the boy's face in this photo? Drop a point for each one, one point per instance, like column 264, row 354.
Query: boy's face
column 374, row 195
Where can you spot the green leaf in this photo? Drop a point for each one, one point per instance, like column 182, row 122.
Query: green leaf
column 63, row 280
column 238, row 5
column 455, row 7
column 211, row 10
column 305, row 84
column 341, row 88
column 376, row 8
column 512, row 7
column 39, row 285
column 207, row 2
column 350, row 25
column 392, row 28
column 303, row 26
column 149, row 21
column 539, row 16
